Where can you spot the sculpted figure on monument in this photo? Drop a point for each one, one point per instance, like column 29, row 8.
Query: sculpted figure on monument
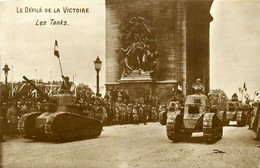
column 137, row 46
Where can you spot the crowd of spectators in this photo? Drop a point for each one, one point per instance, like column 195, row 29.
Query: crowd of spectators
column 114, row 108
column 118, row 108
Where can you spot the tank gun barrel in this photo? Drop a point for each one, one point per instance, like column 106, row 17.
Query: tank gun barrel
column 35, row 87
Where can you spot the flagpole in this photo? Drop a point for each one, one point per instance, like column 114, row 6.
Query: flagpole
column 60, row 67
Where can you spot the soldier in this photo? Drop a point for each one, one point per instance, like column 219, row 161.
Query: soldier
column 135, row 115
column 258, row 123
column 141, row 101
column 247, row 101
column 127, row 112
column 124, row 113
column 39, row 107
column 109, row 113
column 106, row 97
column 234, row 97
column 145, row 113
column 12, row 120
column 104, row 118
column 178, row 96
column 119, row 98
column 198, row 87
column 140, row 113
column 24, row 109
column 149, row 112
column 127, row 97
column 154, row 114
column 119, row 107
column 116, row 119
column 130, row 113
column 19, row 108
column 253, row 115
column 66, row 84
column 114, row 96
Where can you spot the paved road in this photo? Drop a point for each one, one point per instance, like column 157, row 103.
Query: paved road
column 137, row 146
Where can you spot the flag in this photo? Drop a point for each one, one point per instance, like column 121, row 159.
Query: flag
column 34, row 91
column 56, row 52
column 245, row 87
column 15, row 89
column 50, row 93
column 179, row 87
column 240, row 90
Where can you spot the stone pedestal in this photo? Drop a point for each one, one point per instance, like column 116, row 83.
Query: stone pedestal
column 139, row 87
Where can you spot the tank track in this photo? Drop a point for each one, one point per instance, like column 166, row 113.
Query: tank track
column 26, row 124
column 212, row 128
column 64, row 126
column 59, row 126
column 175, row 130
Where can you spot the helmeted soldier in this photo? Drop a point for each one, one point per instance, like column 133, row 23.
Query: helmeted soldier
column 178, row 96
column 66, row 84
column 234, row 97
column 198, row 87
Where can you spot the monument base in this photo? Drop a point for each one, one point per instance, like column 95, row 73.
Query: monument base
column 140, row 86
column 137, row 76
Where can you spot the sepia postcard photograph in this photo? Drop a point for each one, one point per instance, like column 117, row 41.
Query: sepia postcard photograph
column 130, row 83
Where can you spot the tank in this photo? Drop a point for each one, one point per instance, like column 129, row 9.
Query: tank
column 235, row 112
column 218, row 107
column 166, row 110
column 63, row 120
column 195, row 117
